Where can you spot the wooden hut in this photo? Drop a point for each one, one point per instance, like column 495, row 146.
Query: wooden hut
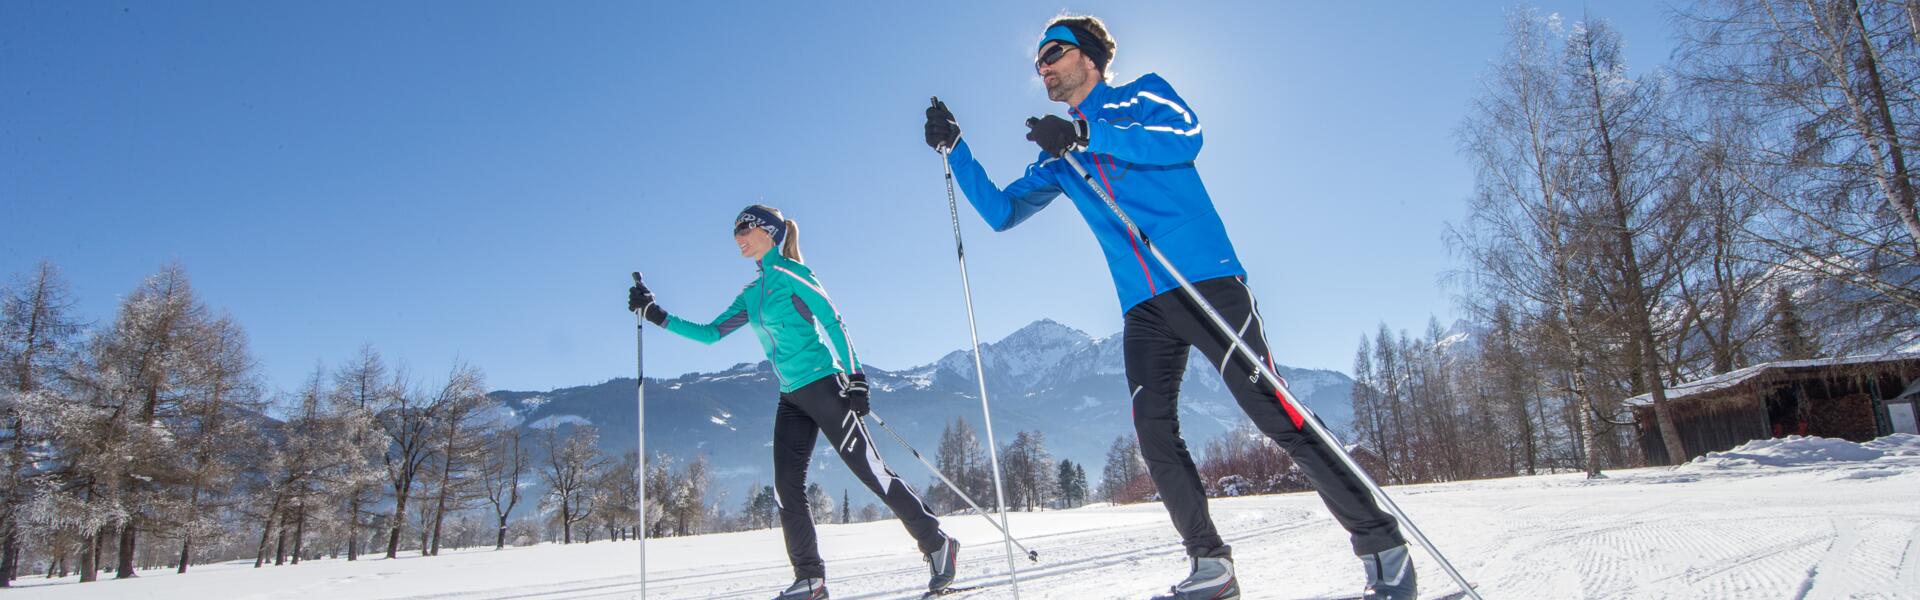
column 1856, row 398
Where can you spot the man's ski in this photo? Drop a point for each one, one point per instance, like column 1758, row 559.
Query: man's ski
column 949, row 591
column 1453, row 595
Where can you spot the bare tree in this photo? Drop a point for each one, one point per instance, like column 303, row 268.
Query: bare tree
column 1829, row 92
column 1124, row 479
column 216, row 432
column 465, row 411
column 503, row 470
column 1028, row 471
column 962, row 458
column 407, row 419
column 572, row 463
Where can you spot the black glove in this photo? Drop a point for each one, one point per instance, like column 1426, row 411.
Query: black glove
column 856, row 394
column 1057, row 136
column 640, row 298
column 942, row 130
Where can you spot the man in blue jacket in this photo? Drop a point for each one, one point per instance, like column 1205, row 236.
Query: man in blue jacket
column 1139, row 140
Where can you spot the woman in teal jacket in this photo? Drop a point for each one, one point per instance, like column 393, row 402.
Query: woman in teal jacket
column 821, row 391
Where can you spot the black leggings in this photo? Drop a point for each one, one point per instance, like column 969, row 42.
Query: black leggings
column 1157, row 337
column 818, row 408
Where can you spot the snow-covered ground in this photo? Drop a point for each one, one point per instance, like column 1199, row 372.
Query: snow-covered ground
column 1794, row 518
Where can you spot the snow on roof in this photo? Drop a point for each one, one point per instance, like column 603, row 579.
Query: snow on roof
column 1740, row 376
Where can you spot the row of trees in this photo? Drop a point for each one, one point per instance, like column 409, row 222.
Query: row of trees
column 1754, row 202
column 1239, row 462
column 152, row 441
column 1034, row 479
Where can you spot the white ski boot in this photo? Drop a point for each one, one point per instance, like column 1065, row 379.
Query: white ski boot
column 1211, row 579
column 805, row 589
column 1390, row 575
column 942, row 563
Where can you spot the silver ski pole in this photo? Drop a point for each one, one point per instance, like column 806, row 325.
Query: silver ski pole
column 980, row 374
column 1312, row 421
column 640, row 408
column 1031, row 555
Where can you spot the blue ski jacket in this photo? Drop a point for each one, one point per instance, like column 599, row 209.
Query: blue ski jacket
column 1142, row 141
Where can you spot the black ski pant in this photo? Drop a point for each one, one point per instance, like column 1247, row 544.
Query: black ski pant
column 818, row 408
column 1157, row 337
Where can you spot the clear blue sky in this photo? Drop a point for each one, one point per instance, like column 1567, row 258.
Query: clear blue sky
column 474, row 180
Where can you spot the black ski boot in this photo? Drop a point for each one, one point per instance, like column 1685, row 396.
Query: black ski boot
column 942, row 563
column 1390, row 575
column 1211, row 579
column 805, row 589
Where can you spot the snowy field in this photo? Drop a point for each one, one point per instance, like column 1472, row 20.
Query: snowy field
column 1799, row 518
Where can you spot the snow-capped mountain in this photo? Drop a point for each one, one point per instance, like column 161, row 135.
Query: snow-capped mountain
column 1045, row 377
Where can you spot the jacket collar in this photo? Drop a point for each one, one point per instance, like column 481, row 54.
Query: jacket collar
column 1094, row 99
column 771, row 259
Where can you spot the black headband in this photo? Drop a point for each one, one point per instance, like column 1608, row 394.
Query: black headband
column 762, row 218
column 1093, row 46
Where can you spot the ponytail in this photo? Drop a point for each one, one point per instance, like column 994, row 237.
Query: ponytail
column 791, row 248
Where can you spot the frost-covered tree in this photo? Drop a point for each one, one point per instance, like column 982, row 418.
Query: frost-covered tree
column 690, row 509
column 572, row 464
column 310, row 469
column 360, row 389
column 140, row 371
column 464, row 416
column 37, row 344
column 217, row 431
column 620, row 495
column 406, row 417
column 819, row 503
column 762, row 511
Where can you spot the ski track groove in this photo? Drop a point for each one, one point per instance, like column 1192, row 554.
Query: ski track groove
column 997, row 580
column 1845, row 538
column 1909, row 575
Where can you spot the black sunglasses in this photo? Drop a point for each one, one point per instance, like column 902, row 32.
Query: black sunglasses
column 740, row 227
column 1053, row 54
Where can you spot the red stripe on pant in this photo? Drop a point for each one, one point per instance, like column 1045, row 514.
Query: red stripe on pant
column 1299, row 422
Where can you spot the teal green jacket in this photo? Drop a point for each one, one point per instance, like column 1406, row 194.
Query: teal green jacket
column 797, row 324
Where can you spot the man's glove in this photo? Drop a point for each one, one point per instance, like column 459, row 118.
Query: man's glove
column 856, row 394
column 1057, row 136
column 641, row 299
column 942, row 130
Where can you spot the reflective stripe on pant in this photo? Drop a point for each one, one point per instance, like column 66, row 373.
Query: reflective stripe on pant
column 1157, row 337
column 817, row 408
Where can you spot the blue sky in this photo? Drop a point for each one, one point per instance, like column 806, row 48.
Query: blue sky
column 474, row 180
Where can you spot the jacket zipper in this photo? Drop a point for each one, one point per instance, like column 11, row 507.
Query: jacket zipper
column 772, row 340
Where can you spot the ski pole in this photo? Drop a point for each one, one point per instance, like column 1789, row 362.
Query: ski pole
column 1031, row 555
column 1312, row 421
column 640, row 408
column 980, row 372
